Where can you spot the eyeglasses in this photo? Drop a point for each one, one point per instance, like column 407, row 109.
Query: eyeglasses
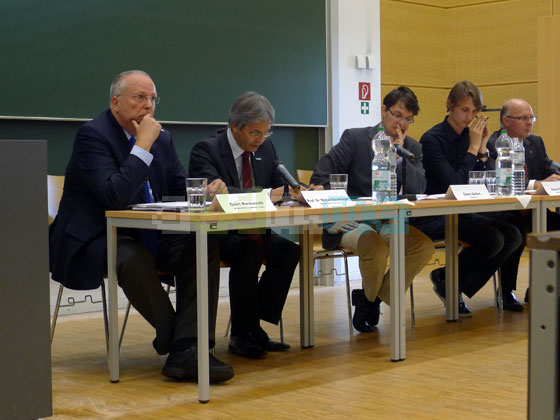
column 140, row 99
column 399, row 116
column 256, row 134
column 524, row 118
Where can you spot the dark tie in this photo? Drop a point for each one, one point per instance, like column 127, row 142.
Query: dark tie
column 246, row 176
column 148, row 237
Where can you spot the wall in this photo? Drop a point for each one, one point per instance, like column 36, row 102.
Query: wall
column 431, row 44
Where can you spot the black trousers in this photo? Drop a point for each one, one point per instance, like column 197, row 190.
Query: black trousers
column 491, row 241
column 250, row 299
column 524, row 221
column 136, row 272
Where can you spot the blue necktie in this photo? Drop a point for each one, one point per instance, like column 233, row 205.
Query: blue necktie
column 148, row 237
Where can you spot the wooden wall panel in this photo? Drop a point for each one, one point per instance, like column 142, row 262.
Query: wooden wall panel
column 412, row 48
column 549, row 83
column 494, row 43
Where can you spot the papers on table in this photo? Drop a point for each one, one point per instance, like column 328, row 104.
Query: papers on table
column 179, row 206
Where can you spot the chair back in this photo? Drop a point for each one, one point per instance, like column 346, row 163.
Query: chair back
column 55, row 184
column 304, row 176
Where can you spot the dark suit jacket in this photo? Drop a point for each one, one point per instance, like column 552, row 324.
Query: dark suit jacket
column 446, row 159
column 102, row 175
column 353, row 156
column 212, row 158
column 539, row 165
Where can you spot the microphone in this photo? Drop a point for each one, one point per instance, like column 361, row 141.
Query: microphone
column 404, row 153
column 286, row 175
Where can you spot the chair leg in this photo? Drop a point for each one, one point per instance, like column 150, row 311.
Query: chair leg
column 127, row 312
column 497, row 290
column 281, row 330
column 228, row 327
column 56, row 309
column 348, row 298
column 105, row 317
column 412, row 315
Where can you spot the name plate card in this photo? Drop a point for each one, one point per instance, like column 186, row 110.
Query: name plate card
column 467, row 192
column 549, row 188
column 245, row 202
column 319, row 199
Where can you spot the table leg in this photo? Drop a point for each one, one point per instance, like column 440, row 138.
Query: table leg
column 112, row 298
column 202, row 315
column 306, row 289
column 452, row 267
column 398, row 319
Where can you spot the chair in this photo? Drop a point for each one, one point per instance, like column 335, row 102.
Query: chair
column 320, row 253
column 55, row 185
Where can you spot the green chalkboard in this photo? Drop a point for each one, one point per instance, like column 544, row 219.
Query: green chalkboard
column 59, row 56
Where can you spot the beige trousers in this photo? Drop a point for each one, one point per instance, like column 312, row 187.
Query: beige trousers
column 372, row 247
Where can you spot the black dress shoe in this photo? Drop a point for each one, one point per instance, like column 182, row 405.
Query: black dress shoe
column 374, row 312
column 246, row 346
column 437, row 277
column 510, row 302
column 362, row 312
column 464, row 312
column 183, row 365
column 264, row 341
column 526, row 300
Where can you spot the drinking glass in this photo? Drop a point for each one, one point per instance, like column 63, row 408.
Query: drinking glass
column 338, row 181
column 490, row 180
column 197, row 189
column 477, row 177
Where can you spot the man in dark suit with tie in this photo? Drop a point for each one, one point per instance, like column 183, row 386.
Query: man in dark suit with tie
column 517, row 118
column 353, row 156
column 243, row 157
column 120, row 158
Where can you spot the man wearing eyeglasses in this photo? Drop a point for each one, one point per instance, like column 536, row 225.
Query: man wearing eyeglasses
column 120, row 158
column 517, row 117
column 353, row 156
column 242, row 155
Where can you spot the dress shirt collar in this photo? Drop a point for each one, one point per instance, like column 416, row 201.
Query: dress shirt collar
column 450, row 134
column 236, row 150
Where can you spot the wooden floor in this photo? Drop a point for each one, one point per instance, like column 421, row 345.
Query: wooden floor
column 472, row 369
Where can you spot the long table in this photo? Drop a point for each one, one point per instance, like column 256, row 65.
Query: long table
column 204, row 223
column 451, row 210
column 302, row 217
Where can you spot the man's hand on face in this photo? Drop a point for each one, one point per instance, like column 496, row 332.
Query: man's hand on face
column 146, row 132
column 399, row 140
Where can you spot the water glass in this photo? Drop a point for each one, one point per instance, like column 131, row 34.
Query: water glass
column 491, row 182
column 477, row 177
column 197, row 189
column 338, row 181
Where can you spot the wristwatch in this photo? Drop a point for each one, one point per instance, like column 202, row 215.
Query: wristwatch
column 482, row 155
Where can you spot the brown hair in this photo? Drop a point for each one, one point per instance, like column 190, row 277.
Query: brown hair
column 462, row 90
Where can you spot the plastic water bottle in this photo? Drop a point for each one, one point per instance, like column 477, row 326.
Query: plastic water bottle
column 381, row 167
column 393, row 168
column 518, row 158
column 504, row 146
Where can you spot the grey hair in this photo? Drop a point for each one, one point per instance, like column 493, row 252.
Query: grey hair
column 118, row 84
column 250, row 108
